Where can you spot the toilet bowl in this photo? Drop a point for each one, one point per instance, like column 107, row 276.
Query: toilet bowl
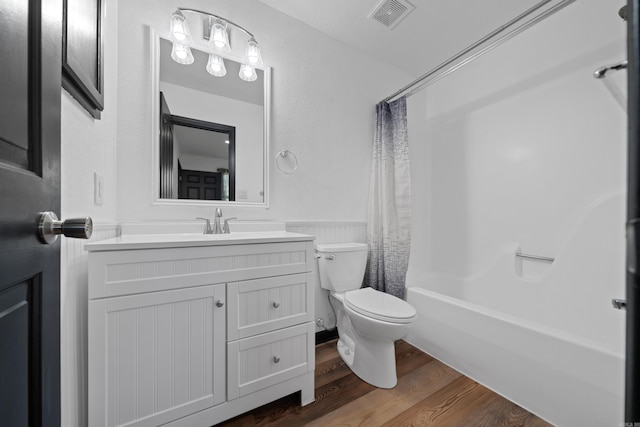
column 368, row 321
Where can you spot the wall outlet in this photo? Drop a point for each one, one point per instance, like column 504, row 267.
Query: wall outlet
column 98, row 189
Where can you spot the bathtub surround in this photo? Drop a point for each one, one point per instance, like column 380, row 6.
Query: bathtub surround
column 526, row 152
column 389, row 217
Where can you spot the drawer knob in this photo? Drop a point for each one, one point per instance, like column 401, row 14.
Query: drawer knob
column 276, row 304
column 276, row 359
column 219, row 303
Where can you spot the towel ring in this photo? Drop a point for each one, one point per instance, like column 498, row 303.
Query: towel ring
column 286, row 154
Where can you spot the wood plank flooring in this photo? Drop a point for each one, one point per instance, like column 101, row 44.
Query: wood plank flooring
column 428, row 393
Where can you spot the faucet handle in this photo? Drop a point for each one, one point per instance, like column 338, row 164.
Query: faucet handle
column 207, row 227
column 225, row 228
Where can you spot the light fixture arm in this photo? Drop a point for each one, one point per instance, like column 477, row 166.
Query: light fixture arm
column 206, row 31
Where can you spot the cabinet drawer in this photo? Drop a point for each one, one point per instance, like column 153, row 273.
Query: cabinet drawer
column 264, row 305
column 264, row 360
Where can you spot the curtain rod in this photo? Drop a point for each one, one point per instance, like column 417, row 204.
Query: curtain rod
column 450, row 65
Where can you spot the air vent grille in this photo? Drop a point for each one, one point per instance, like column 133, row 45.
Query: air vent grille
column 390, row 12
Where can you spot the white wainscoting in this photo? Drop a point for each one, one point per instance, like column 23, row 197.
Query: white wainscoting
column 73, row 323
column 328, row 232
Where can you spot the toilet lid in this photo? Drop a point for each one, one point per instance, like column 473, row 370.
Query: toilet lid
column 379, row 305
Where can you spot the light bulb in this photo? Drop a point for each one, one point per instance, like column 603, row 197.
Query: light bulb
column 179, row 28
column 247, row 73
column 252, row 52
column 181, row 54
column 219, row 35
column 215, row 66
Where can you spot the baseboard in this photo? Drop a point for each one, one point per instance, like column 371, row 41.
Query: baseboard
column 324, row 336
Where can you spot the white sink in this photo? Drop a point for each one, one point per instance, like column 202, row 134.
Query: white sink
column 179, row 240
column 196, row 226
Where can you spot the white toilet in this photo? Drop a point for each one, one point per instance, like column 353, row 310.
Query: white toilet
column 368, row 321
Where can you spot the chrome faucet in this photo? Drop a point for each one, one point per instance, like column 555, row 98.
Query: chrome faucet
column 225, row 227
column 217, row 229
column 207, row 226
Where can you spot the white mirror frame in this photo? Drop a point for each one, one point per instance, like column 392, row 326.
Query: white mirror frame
column 154, row 47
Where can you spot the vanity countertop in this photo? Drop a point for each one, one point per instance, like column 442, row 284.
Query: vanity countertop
column 185, row 240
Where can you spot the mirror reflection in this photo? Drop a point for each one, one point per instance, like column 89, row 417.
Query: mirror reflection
column 211, row 131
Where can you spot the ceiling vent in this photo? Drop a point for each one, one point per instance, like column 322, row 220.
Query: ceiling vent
column 390, row 12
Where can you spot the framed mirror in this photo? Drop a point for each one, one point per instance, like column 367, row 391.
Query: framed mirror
column 210, row 134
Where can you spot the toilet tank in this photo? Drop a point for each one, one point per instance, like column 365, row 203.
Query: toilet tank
column 341, row 265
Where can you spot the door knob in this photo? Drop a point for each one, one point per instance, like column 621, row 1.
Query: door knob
column 49, row 227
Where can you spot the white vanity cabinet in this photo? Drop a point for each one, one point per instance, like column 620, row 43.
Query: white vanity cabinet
column 191, row 332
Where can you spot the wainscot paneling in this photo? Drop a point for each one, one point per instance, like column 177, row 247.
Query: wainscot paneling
column 73, row 322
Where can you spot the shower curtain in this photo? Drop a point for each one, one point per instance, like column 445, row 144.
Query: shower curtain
column 389, row 216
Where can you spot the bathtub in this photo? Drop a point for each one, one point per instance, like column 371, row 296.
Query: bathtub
column 550, row 340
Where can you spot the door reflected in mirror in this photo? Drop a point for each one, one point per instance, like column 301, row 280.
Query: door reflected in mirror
column 212, row 138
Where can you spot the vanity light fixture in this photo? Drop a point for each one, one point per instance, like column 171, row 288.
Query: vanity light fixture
column 215, row 30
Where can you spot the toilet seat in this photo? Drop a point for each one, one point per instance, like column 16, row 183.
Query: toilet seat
column 379, row 305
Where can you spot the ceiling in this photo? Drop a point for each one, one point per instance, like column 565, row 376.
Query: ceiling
column 431, row 34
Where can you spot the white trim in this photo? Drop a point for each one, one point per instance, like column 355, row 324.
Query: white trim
column 154, row 58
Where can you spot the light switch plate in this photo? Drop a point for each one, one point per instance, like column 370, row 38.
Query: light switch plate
column 98, row 189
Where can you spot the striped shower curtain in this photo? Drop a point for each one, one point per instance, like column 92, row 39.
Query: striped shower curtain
column 389, row 216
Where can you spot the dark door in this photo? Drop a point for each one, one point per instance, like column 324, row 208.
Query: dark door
column 30, row 34
column 200, row 185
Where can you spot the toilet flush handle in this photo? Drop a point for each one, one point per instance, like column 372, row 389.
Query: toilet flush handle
column 330, row 257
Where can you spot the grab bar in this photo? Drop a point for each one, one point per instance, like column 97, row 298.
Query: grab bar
column 536, row 257
column 601, row 73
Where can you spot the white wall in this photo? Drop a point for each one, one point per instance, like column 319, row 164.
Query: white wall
column 321, row 110
column 519, row 144
column 88, row 146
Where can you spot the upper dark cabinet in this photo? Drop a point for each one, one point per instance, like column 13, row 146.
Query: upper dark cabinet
column 82, row 53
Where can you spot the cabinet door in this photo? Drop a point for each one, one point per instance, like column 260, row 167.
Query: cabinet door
column 264, row 305
column 156, row 357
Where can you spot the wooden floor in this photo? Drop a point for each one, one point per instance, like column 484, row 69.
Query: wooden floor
column 428, row 393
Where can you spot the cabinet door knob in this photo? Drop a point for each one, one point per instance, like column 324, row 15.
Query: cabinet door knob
column 219, row 303
column 276, row 304
column 276, row 359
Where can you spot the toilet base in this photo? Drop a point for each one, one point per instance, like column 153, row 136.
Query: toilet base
column 372, row 361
